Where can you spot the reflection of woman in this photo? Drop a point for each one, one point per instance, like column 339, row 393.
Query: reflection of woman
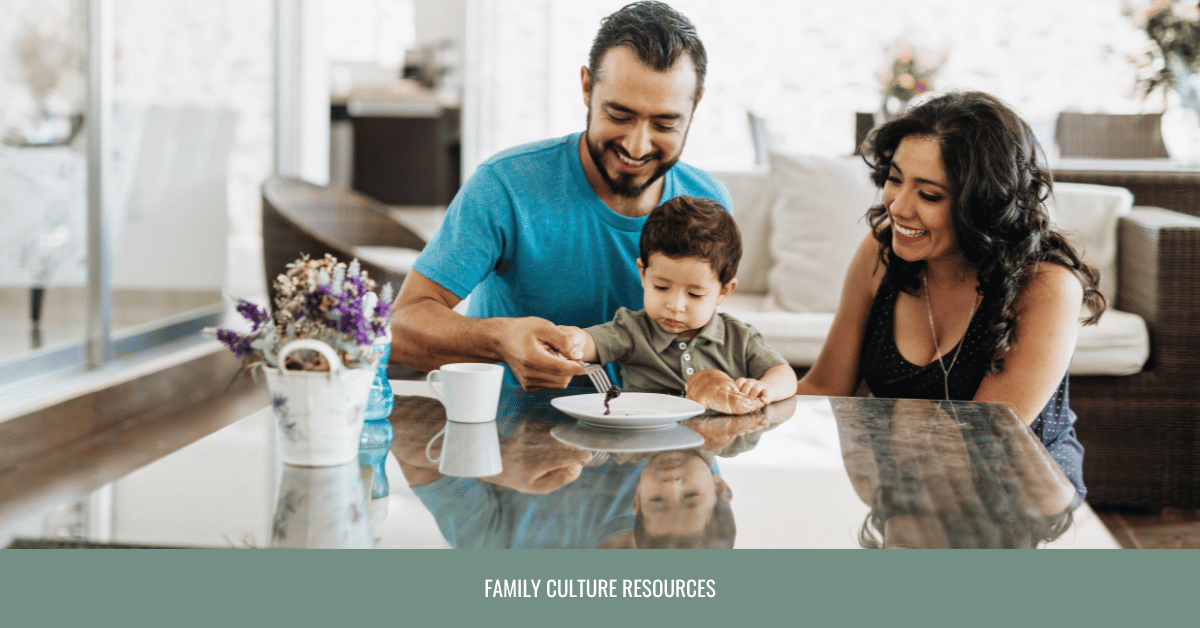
column 937, row 476
column 962, row 291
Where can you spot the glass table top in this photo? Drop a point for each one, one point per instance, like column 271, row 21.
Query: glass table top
column 807, row 472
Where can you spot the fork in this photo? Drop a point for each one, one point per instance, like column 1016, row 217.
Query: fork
column 598, row 375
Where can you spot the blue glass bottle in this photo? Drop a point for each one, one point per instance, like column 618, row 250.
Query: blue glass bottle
column 376, row 437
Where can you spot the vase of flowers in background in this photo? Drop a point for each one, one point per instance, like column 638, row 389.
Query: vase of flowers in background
column 320, row 352
column 1174, row 29
column 909, row 74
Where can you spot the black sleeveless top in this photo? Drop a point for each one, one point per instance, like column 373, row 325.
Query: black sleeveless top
column 889, row 375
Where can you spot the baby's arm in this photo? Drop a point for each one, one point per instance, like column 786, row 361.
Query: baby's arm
column 779, row 382
column 581, row 345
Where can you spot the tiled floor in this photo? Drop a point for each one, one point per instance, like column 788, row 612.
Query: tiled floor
column 1171, row 528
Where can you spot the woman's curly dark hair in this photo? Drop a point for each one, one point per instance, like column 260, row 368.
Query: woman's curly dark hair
column 999, row 184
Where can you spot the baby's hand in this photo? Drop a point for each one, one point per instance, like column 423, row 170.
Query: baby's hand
column 754, row 388
column 576, row 341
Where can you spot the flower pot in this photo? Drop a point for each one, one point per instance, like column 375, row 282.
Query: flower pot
column 1181, row 135
column 319, row 415
column 1181, row 121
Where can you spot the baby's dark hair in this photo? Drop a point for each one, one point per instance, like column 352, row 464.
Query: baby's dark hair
column 688, row 226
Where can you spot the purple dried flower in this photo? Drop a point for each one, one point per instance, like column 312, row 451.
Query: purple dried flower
column 237, row 343
column 253, row 313
column 383, row 309
column 313, row 301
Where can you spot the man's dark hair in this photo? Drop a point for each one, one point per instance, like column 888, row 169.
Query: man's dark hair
column 689, row 226
column 719, row 533
column 656, row 33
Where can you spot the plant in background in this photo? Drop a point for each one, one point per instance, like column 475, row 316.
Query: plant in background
column 323, row 300
column 1174, row 27
column 909, row 75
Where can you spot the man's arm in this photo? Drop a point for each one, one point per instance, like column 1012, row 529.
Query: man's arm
column 427, row 333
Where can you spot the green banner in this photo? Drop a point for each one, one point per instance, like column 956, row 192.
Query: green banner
column 596, row 588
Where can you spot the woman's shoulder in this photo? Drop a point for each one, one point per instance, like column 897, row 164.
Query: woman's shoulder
column 1049, row 282
column 867, row 268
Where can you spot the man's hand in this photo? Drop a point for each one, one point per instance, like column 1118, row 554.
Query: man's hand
column 535, row 462
column 531, row 347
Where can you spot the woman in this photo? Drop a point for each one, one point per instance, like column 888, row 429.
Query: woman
column 962, row 290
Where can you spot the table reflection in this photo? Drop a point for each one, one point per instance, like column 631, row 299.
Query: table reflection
column 950, row 474
column 807, row 472
column 583, row 486
column 322, row 508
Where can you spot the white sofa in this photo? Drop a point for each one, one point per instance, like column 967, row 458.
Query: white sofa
column 803, row 218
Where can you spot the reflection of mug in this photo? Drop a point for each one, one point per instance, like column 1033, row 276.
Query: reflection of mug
column 470, row 391
column 469, row 450
column 322, row 508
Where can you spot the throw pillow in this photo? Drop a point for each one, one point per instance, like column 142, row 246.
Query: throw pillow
column 1088, row 215
column 818, row 221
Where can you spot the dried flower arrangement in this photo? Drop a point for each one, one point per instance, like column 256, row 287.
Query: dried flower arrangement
column 319, row 299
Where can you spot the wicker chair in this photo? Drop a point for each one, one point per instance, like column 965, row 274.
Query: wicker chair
column 1110, row 136
column 299, row 217
column 1141, row 432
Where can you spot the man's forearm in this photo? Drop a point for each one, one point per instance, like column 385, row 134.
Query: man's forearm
column 427, row 335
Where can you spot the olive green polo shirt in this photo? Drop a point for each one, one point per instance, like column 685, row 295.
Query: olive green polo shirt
column 653, row 360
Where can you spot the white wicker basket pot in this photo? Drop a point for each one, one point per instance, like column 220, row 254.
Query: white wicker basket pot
column 319, row 415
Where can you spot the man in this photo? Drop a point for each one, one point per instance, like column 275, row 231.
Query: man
column 547, row 233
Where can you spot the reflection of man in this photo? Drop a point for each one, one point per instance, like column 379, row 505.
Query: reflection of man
column 547, row 233
column 544, row 498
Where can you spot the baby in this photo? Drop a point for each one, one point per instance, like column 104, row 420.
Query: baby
column 681, row 503
column 690, row 249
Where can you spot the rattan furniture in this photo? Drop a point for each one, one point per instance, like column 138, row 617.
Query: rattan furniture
column 1110, row 136
column 299, row 217
column 1141, row 433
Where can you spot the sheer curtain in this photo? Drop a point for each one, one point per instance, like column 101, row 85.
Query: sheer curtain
column 805, row 66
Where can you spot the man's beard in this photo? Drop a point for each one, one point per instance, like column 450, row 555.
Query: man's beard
column 624, row 184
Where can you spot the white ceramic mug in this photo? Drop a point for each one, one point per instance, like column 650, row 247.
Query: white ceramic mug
column 470, row 450
column 470, row 390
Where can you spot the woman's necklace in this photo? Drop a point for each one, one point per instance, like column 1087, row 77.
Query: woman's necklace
column 936, row 347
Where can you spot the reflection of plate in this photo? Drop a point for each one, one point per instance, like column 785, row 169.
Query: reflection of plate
column 596, row 438
column 631, row 410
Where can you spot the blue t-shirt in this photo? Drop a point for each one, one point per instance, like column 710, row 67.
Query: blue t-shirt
column 474, row 514
column 528, row 236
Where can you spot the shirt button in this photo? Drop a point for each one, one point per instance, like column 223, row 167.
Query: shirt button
column 682, row 346
column 687, row 356
column 690, row 371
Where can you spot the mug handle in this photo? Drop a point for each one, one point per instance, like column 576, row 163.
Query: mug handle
column 429, row 381
column 429, row 446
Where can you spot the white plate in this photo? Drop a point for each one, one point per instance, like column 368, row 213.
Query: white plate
column 631, row 410
column 595, row 438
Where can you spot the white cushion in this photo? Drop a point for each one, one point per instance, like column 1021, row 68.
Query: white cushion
column 1088, row 215
column 1118, row 345
column 817, row 223
column 753, row 199
column 390, row 257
